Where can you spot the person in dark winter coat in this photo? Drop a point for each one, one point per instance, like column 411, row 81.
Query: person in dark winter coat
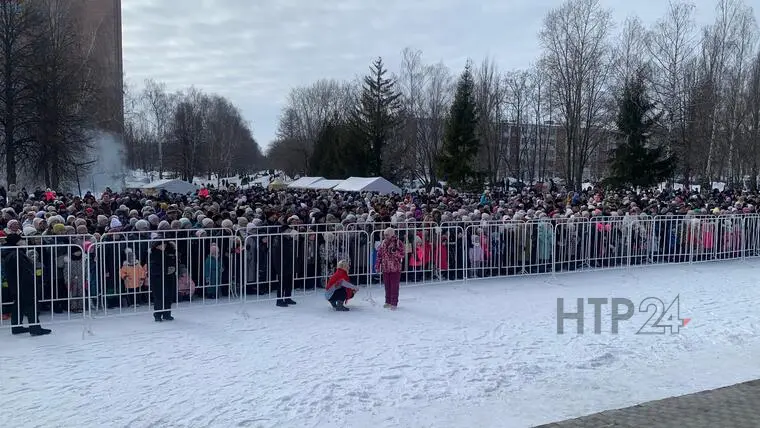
column 282, row 264
column 20, row 273
column 162, row 268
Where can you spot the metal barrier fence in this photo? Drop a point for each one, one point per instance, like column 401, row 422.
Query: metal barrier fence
column 80, row 278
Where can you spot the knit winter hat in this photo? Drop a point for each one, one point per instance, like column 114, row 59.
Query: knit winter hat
column 13, row 240
column 115, row 223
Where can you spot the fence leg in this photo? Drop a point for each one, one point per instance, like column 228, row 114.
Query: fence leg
column 87, row 319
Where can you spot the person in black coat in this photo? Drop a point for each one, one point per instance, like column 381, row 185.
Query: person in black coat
column 282, row 264
column 162, row 268
column 20, row 273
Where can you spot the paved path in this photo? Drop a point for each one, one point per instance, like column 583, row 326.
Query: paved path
column 736, row 406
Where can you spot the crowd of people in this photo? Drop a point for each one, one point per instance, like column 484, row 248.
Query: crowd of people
column 113, row 249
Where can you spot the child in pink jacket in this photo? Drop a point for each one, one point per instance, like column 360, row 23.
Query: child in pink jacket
column 185, row 284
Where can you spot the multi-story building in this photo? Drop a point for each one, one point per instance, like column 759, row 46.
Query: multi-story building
column 100, row 24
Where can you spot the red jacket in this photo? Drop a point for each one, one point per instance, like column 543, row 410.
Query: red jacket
column 339, row 276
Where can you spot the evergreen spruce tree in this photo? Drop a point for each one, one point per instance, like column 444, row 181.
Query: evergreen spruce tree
column 636, row 161
column 461, row 143
column 375, row 120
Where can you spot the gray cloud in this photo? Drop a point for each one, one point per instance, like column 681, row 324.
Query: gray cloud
column 254, row 51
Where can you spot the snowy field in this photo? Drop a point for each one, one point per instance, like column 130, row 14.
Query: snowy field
column 482, row 354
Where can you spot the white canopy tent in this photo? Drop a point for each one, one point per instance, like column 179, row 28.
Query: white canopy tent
column 304, row 181
column 323, row 184
column 171, row 185
column 367, row 184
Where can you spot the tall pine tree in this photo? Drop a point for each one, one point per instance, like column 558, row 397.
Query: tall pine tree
column 636, row 161
column 376, row 119
column 461, row 143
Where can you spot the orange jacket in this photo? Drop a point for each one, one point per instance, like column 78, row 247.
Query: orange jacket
column 133, row 275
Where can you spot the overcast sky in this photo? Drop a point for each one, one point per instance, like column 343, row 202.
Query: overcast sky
column 254, row 51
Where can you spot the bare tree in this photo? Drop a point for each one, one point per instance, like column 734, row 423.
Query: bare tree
column 17, row 24
column 542, row 136
column 412, row 81
column 518, row 87
column 577, row 54
column 672, row 43
column 489, row 99
column 436, row 100
column 751, row 129
column 630, row 53
column 159, row 105
column 306, row 111
column 731, row 43
column 64, row 91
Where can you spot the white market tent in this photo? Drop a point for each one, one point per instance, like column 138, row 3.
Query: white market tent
column 322, row 184
column 367, row 184
column 170, row 185
column 304, row 181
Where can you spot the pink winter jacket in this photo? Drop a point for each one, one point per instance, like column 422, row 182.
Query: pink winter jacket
column 185, row 285
column 389, row 255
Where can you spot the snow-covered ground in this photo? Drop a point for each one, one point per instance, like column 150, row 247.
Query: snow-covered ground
column 485, row 353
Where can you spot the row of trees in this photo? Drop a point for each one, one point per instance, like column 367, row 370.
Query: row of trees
column 56, row 102
column 558, row 118
column 47, row 89
column 187, row 133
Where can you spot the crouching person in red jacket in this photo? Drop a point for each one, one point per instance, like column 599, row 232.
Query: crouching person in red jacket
column 339, row 289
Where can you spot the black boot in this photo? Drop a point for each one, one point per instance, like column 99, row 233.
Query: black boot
column 16, row 327
column 334, row 304
column 281, row 303
column 168, row 316
column 37, row 330
column 341, row 308
column 157, row 317
column 290, row 301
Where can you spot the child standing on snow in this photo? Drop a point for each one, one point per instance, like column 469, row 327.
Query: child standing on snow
column 133, row 275
column 212, row 270
column 389, row 258
column 185, row 284
column 339, row 290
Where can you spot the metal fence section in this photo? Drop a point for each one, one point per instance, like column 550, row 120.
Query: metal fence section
column 133, row 269
column 44, row 282
column 81, row 277
column 431, row 253
column 300, row 262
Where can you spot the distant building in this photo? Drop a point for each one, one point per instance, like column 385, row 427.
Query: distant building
column 100, row 22
column 538, row 152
